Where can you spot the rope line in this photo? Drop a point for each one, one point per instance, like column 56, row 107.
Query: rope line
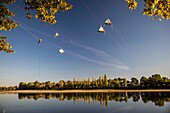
column 26, row 29
column 90, row 12
column 101, row 8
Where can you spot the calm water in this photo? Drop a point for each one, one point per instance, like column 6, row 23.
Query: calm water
column 86, row 103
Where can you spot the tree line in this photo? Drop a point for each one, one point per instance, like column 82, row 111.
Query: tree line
column 159, row 98
column 153, row 82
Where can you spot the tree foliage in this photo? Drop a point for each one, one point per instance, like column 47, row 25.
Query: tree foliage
column 46, row 9
column 157, row 9
column 6, row 23
column 132, row 4
column 5, row 45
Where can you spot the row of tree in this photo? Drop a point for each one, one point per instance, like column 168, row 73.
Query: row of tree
column 8, row 88
column 103, row 98
column 152, row 82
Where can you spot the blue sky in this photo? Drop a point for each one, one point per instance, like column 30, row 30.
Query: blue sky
column 134, row 46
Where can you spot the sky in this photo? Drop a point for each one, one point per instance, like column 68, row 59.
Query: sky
column 133, row 46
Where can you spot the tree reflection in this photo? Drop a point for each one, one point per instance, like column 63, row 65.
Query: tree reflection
column 158, row 98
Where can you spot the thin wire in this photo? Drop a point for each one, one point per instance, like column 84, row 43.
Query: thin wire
column 90, row 12
column 40, row 32
column 127, row 45
column 26, row 29
column 18, row 7
column 69, row 40
column 39, row 64
column 115, row 41
column 47, row 26
column 102, row 8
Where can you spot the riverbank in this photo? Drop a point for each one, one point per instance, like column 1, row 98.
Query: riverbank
column 83, row 91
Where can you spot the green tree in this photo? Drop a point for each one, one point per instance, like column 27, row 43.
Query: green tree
column 22, row 85
column 105, row 81
column 36, row 84
column 61, row 84
column 10, row 88
column 88, row 82
column 69, row 84
column 96, row 84
column 30, row 85
column 74, row 82
column 165, row 82
column 116, row 83
column 48, row 85
column 100, row 82
column 143, row 82
column 125, row 83
column 156, row 80
column 84, row 83
column 134, row 82
column 79, row 83
column 15, row 87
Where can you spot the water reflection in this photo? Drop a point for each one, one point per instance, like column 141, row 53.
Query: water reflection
column 159, row 98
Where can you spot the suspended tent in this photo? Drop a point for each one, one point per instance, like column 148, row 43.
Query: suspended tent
column 61, row 51
column 108, row 22
column 29, row 16
column 39, row 41
column 101, row 30
column 56, row 35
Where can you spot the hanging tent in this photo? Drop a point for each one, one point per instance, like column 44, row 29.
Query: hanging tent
column 56, row 35
column 108, row 22
column 61, row 51
column 101, row 30
column 29, row 16
column 39, row 41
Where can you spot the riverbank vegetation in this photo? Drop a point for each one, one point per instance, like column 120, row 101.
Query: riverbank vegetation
column 152, row 82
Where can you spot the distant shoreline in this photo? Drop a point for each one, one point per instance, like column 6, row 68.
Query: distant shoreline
column 84, row 91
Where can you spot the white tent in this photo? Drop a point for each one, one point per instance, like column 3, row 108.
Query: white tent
column 61, row 51
column 108, row 22
column 39, row 41
column 101, row 29
column 56, row 35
